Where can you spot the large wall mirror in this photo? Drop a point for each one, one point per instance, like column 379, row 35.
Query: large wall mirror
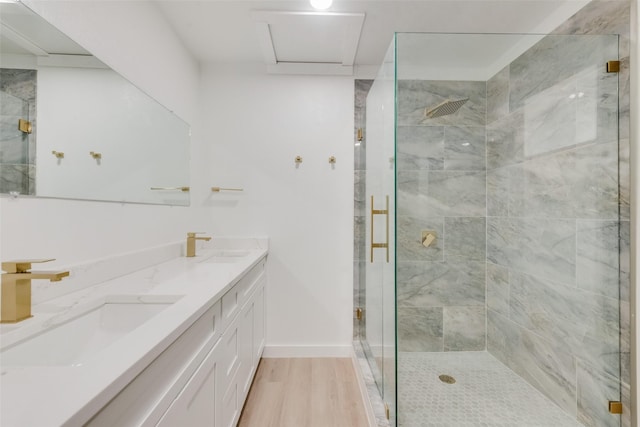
column 71, row 127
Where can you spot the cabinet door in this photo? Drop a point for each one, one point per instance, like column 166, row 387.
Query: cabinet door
column 258, row 326
column 245, row 331
column 196, row 403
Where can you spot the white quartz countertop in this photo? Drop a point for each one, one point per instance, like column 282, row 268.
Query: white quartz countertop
column 45, row 396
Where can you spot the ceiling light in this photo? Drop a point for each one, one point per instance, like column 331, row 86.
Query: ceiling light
column 321, row 4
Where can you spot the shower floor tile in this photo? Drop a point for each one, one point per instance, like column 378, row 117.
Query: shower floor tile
column 486, row 393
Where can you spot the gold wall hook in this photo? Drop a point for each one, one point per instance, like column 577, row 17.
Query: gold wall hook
column 332, row 160
column 298, row 160
column 58, row 154
column 95, row 155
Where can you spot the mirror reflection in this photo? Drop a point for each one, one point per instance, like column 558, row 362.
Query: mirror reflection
column 71, row 127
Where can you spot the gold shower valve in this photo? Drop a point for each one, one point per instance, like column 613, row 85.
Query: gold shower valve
column 428, row 238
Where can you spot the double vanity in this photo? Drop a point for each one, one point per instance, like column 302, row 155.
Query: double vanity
column 174, row 343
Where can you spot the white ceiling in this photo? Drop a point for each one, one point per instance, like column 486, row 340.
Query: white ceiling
column 224, row 31
column 23, row 32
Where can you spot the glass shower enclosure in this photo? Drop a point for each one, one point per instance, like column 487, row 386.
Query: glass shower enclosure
column 494, row 276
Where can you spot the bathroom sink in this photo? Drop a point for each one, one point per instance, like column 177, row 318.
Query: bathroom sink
column 70, row 338
column 226, row 256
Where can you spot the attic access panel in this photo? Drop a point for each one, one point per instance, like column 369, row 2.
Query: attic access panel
column 309, row 42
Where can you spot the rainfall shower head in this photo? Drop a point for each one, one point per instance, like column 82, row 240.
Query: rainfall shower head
column 445, row 108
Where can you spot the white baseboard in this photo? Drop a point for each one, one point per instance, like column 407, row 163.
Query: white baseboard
column 281, row 351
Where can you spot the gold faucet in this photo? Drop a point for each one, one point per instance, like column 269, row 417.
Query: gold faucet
column 16, row 288
column 191, row 243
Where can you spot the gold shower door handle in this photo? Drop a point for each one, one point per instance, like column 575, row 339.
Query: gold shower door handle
column 384, row 212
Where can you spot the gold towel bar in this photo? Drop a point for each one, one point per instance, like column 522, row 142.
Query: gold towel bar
column 218, row 189
column 171, row 188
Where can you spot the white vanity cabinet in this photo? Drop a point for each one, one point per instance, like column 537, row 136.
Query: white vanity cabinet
column 215, row 394
column 195, row 405
column 202, row 378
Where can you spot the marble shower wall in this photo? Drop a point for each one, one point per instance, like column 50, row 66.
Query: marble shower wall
column 17, row 150
column 360, row 169
column 553, row 268
column 441, row 188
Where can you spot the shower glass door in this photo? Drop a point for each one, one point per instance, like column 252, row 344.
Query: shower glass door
column 511, row 253
column 378, row 335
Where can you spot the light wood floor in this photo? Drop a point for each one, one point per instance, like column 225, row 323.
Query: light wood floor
column 306, row 392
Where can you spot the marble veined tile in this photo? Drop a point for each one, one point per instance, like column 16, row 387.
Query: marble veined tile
column 579, row 110
column 624, row 179
column 359, row 232
column 544, row 187
column 548, row 368
column 498, row 95
column 437, row 284
column 505, row 141
column 464, row 328
column 598, row 254
column 550, row 121
column 409, row 239
column 16, row 178
column 420, row 329
column 498, row 289
column 601, row 17
column 625, row 259
column 595, row 390
column 498, row 192
column 415, row 96
column 456, row 193
column 19, row 83
column 596, row 181
column 412, row 193
column 465, row 238
column 554, row 60
column 359, row 195
column 580, row 182
column 584, row 324
column 464, row 148
column 625, row 342
column 14, row 148
column 543, row 247
column 419, row 147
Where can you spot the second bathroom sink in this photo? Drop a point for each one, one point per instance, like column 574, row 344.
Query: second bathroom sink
column 70, row 338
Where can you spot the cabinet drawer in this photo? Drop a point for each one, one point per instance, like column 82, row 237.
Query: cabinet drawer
column 250, row 281
column 195, row 405
column 144, row 399
column 230, row 409
column 229, row 353
column 235, row 297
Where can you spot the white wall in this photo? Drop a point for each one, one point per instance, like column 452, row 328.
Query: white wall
column 134, row 39
column 257, row 124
